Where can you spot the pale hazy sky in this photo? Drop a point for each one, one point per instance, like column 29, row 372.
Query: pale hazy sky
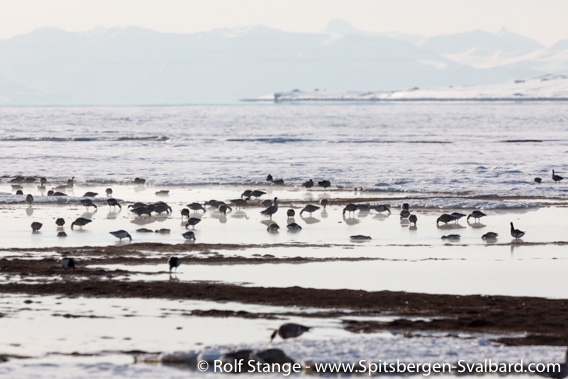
column 543, row 20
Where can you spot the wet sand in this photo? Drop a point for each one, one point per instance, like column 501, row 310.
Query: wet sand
column 542, row 320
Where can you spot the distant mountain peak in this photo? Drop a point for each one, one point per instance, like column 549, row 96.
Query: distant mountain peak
column 341, row 27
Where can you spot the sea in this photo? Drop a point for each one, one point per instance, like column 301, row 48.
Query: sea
column 455, row 147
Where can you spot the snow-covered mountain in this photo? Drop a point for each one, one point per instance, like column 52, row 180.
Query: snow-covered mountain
column 139, row 66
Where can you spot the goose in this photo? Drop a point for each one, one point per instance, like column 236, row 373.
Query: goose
column 90, row 194
column 189, row 235
column 516, row 232
column 174, row 262
column 60, row 222
column 163, row 231
column 413, row 219
column 537, row 180
column 139, row 181
column 61, row 234
column 310, row 209
column 324, row 203
column 289, row 330
column 351, row 208
column 273, row 227
column 279, row 182
column 381, row 208
column 457, row 216
column 137, row 205
column 555, row 177
column 36, row 226
column 271, row 209
column 67, row 263
column 309, row 184
column 257, row 193
column 214, row 203
column 192, row 222
column 445, row 218
column 29, row 179
column 451, row 237
column 476, row 215
column 55, row 193
column 20, row 192
column 293, row 226
column 266, row 203
column 113, row 203
column 142, row 210
column 224, row 207
column 88, row 203
column 360, row 237
column 239, row 203
column 405, row 206
column 162, row 207
column 144, row 230
column 120, row 234
column 81, row 221
column 404, row 214
column 324, row 183
column 290, row 212
column 71, row 182
column 42, row 181
column 246, row 193
column 162, row 193
column 196, row 207
column 184, row 213
column 489, row 236
column 29, row 199
column 108, row 191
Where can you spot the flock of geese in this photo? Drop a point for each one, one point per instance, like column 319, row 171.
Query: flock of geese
column 271, row 207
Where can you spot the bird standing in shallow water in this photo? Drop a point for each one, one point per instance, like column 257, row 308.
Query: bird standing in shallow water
column 324, row 183
column 309, row 184
column 192, row 222
column 324, row 203
column 60, row 222
column 516, row 232
column 445, row 218
column 189, row 235
column 310, row 209
column 120, row 234
column 293, row 226
column 489, row 236
column 174, row 262
column 555, row 177
column 88, row 203
column 271, row 209
column 81, row 221
column 290, row 212
column 273, row 227
column 290, row 330
column 36, row 226
column 413, row 219
column 351, row 208
column 113, row 203
column 29, row 199
column 476, row 215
